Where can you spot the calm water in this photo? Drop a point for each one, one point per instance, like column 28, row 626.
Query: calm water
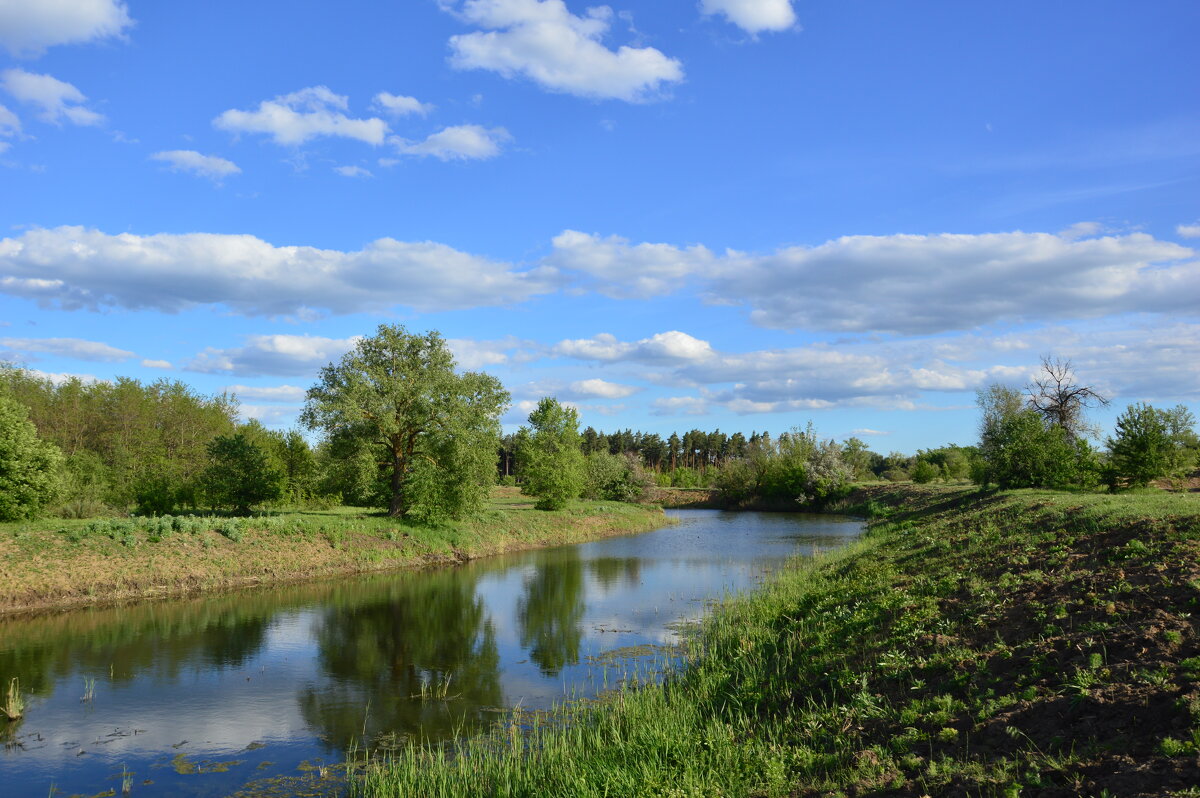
column 255, row 691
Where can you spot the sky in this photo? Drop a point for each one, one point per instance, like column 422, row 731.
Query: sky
column 733, row 214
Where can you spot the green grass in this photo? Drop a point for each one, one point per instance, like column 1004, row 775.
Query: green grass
column 979, row 644
column 63, row 561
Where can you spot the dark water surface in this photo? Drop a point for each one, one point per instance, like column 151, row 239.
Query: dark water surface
column 259, row 690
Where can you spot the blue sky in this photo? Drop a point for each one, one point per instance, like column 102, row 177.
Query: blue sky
column 742, row 214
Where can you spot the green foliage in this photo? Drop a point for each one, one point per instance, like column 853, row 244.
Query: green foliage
column 1151, row 443
column 29, row 466
column 924, row 472
column 118, row 436
column 552, row 461
column 798, row 468
column 396, row 397
column 241, row 474
column 1019, row 449
column 614, row 477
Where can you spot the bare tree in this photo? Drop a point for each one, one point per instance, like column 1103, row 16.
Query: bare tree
column 1061, row 402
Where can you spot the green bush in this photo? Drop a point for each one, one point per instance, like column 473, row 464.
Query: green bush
column 29, row 466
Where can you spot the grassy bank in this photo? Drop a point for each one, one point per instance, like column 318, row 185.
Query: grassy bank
column 61, row 563
column 1004, row 644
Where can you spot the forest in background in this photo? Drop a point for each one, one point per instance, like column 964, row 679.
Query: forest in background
column 81, row 449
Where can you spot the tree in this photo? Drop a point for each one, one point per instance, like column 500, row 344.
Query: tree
column 1060, row 401
column 241, row 474
column 29, row 466
column 1019, row 448
column 552, row 462
column 433, row 431
column 1151, row 443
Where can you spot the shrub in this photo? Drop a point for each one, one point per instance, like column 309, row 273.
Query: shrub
column 29, row 466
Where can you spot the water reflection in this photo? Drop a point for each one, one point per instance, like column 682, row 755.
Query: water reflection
column 262, row 682
column 391, row 662
column 550, row 613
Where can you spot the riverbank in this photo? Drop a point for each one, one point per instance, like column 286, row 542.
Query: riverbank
column 52, row 564
column 970, row 644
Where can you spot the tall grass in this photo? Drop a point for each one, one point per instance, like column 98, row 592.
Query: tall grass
column 14, row 703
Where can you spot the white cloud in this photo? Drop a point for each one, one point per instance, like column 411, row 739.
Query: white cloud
column 868, row 432
column 562, row 52
column 400, row 105
column 471, row 354
column 1188, row 230
column 293, row 119
column 458, row 143
column 753, row 16
column 602, row 389
column 77, row 348
column 28, row 27
column 10, row 123
column 275, row 393
column 921, row 284
column 270, row 415
column 676, row 405
column 629, row 271
column 157, row 364
column 664, row 347
column 56, row 99
column 904, row 283
column 353, row 171
column 210, row 166
column 273, row 355
column 59, row 377
column 80, row 268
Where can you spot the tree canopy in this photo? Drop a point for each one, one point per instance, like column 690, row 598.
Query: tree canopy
column 434, row 432
column 28, row 465
column 552, row 460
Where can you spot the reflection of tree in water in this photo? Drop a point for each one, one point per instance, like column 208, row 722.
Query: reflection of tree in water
column 379, row 656
column 608, row 570
column 550, row 613
column 159, row 638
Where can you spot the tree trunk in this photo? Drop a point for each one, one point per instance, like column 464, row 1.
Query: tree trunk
column 396, row 507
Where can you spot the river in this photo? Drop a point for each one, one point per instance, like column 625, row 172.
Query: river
column 259, row 692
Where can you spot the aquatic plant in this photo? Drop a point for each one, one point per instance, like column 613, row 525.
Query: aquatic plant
column 14, row 704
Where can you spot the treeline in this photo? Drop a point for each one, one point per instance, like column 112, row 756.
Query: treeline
column 157, row 448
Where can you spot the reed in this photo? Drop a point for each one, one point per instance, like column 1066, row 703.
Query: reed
column 14, row 703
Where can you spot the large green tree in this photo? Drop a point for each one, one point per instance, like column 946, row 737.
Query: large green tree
column 1151, row 443
column 29, row 466
column 552, row 461
column 433, row 431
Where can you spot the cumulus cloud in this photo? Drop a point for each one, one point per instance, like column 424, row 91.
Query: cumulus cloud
column 543, row 41
column 274, row 393
column 210, row 166
column 904, row 283
column 353, row 171
column 76, row 267
column 28, row 27
column 458, row 143
column 672, row 346
column 1189, row 230
column 400, row 105
column 602, row 389
column 296, row 118
column 623, row 270
column 77, row 348
column 56, row 100
column 471, row 354
column 865, row 432
column 157, row 364
column 753, row 16
column 273, row 355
